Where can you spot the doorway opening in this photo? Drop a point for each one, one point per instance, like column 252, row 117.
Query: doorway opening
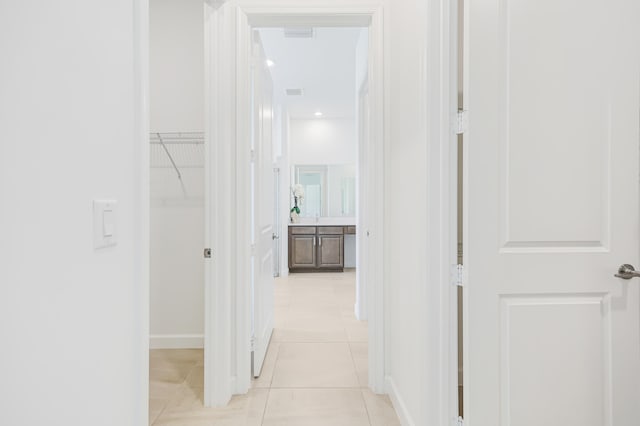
column 238, row 255
column 177, row 208
column 309, row 105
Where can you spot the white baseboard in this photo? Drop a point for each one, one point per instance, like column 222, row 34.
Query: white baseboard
column 398, row 403
column 360, row 316
column 176, row 341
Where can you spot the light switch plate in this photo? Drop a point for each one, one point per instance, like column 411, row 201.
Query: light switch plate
column 105, row 217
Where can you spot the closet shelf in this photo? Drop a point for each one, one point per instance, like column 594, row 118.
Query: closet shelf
column 177, row 150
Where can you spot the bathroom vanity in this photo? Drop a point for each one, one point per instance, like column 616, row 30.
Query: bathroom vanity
column 324, row 238
column 317, row 248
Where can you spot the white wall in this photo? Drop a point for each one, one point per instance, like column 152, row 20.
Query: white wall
column 284, row 135
column 176, row 270
column 177, row 306
column 323, row 141
column 72, row 319
column 410, row 296
column 176, row 65
column 177, row 221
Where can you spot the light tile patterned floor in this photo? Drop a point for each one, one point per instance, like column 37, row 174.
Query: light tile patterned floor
column 315, row 371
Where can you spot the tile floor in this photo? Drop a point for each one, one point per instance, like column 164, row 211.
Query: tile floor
column 315, row 372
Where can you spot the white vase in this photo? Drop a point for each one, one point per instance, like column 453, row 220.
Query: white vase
column 294, row 217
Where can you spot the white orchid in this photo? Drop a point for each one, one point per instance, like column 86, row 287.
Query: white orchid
column 298, row 191
column 298, row 195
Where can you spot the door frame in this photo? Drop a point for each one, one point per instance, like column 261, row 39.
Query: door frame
column 440, row 109
column 141, row 208
column 277, row 221
column 362, row 247
column 227, row 35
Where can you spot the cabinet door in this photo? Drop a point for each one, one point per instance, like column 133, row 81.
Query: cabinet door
column 330, row 251
column 302, row 251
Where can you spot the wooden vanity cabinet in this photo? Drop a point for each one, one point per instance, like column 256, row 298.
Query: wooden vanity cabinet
column 302, row 247
column 316, row 248
column 330, row 247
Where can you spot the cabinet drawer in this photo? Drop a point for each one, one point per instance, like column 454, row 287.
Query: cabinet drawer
column 302, row 230
column 330, row 230
column 349, row 229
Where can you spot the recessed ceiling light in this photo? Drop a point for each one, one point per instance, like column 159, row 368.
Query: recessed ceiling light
column 294, row 92
column 270, row 63
column 298, row 32
column 318, row 114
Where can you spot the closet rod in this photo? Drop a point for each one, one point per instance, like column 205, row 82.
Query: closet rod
column 169, row 155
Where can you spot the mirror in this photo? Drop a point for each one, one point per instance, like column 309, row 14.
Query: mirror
column 329, row 190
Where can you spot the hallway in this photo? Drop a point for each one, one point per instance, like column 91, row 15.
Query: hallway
column 315, row 371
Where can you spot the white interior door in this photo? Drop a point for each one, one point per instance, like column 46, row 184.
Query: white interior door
column 262, row 206
column 552, row 89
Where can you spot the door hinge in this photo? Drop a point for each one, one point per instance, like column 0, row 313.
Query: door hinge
column 207, row 253
column 253, row 155
column 253, row 249
column 457, row 275
column 252, row 343
column 460, row 122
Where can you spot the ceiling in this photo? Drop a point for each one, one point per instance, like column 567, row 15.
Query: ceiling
column 322, row 66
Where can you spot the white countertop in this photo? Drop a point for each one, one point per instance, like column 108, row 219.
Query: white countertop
column 325, row 221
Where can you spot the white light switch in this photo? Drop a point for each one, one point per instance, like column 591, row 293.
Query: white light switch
column 104, row 223
column 108, row 223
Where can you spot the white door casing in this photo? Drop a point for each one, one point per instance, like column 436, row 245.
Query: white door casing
column 228, row 34
column 551, row 210
column 262, row 205
column 364, row 179
column 277, row 222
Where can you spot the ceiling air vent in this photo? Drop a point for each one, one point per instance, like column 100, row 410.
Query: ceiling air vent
column 294, row 92
column 298, row 32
